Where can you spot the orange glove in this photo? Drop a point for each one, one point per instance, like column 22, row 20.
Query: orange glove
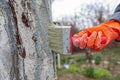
column 97, row 37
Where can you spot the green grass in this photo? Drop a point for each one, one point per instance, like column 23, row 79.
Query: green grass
column 116, row 51
column 97, row 73
column 73, row 69
column 62, row 71
column 114, row 59
column 117, row 77
column 97, row 57
column 66, row 59
column 81, row 59
column 101, row 73
column 89, row 72
column 105, row 51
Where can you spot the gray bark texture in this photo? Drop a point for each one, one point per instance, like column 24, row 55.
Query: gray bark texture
column 24, row 44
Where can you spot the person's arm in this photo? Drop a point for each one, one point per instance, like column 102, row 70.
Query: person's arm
column 116, row 15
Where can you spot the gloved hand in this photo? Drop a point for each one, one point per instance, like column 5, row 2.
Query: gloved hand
column 97, row 37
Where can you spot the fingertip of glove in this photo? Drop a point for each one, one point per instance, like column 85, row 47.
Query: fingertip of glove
column 75, row 41
column 75, row 35
column 83, row 41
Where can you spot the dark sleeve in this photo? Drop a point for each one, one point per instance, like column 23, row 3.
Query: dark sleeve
column 116, row 15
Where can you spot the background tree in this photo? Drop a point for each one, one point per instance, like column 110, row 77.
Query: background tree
column 24, row 45
column 88, row 15
column 93, row 14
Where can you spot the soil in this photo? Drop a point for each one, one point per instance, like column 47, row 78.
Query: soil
column 74, row 76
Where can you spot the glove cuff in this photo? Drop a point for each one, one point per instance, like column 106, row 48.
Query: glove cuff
column 115, row 25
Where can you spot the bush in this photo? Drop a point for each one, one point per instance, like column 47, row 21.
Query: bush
column 81, row 59
column 101, row 73
column 73, row 69
column 97, row 58
column 117, row 77
column 89, row 72
column 96, row 73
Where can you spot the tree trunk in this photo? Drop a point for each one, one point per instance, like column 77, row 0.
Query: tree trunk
column 24, row 45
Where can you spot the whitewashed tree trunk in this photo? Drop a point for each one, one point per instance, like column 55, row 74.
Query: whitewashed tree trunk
column 24, row 45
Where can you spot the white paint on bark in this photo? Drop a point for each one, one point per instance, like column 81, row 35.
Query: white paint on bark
column 5, row 52
column 12, row 65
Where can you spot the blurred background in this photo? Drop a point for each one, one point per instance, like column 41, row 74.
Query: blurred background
column 81, row 14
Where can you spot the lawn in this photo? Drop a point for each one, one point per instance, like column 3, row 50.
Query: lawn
column 105, row 66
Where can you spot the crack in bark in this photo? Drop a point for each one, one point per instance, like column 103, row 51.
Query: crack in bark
column 26, row 14
column 25, row 20
column 20, row 48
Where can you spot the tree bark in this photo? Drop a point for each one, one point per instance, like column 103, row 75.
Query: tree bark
column 24, row 44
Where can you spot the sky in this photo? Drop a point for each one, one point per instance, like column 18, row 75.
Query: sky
column 68, row 7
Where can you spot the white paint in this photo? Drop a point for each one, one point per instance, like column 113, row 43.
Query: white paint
column 5, row 52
